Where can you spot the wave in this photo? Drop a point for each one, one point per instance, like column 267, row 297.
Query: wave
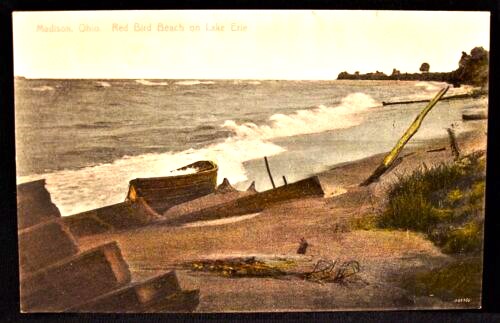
column 429, row 86
column 319, row 119
column 79, row 190
column 149, row 83
column 43, row 88
column 195, row 82
column 103, row 84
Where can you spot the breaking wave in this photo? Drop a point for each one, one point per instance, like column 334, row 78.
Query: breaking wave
column 75, row 191
column 78, row 190
column 194, row 82
column 322, row 118
column 429, row 86
column 43, row 88
column 149, row 83
column 103, row 84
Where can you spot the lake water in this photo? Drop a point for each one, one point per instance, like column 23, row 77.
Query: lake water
column 88, row 138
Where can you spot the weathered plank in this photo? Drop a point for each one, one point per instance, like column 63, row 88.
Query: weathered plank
column 134, row 297
column 74, row 280
column 309, row 187
column 34, row 204
column 44, row 244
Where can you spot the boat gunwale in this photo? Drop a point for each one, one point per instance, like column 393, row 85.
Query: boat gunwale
column 214, row 167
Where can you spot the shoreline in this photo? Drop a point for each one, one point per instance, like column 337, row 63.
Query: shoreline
column 325, row 224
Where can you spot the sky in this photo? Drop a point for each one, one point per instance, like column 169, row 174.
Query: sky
column 237, row 44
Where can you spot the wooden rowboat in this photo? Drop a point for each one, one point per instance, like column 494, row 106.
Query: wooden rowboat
column 161, row 193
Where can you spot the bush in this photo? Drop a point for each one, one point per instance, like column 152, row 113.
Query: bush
column 445, row 202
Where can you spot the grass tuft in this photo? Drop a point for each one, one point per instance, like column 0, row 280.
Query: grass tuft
column 459, row 280
column 444, row 202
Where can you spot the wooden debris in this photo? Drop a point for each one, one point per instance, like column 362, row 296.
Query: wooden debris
column 269, row 172
column 242, row 267
column 252, row 188
column 251, row 203
column 453, row 143
column 207, row 201
column 225, row 187
column 44, row 244
column 116, row 217
column 74, row 280
column 284, row 180
column 476, row 115
column 474, row 95
column 144, row 296
column 34, row 204
column 162, row 193
column 393, row 155
column 436, row 150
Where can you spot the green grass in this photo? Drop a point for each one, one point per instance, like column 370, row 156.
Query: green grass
column 459, row 280
column 444, row 202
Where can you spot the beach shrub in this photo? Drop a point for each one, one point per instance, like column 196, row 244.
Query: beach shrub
column 445, row 202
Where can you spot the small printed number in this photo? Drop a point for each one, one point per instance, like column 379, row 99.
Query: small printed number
column 462, row 300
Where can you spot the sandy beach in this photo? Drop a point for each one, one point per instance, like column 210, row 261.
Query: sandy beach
column 385, row 256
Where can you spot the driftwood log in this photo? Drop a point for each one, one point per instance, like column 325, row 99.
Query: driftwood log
column 472, row 95
column 393, row 155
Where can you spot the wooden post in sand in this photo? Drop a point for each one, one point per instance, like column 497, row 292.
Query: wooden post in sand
column 453, row 143
column 393, row 155
column 284, row 180
column 269, row 171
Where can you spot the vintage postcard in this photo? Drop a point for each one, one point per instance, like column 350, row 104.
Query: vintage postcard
column 250, row 161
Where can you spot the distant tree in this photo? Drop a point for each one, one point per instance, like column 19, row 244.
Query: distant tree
column 395, row 72
column 425, row 67
column 473, row 68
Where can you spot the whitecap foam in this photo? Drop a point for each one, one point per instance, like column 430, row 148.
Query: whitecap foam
column 319, row 119
column 103, row 84
column 75, row 191
column 194, row 82
column 430, row 86
column 78, row 190
column 186, row 171
column 149, row 83
column 43, row 88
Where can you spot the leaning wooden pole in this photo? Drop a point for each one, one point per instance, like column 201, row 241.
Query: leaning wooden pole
column 269, row 172
column 393, row 155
